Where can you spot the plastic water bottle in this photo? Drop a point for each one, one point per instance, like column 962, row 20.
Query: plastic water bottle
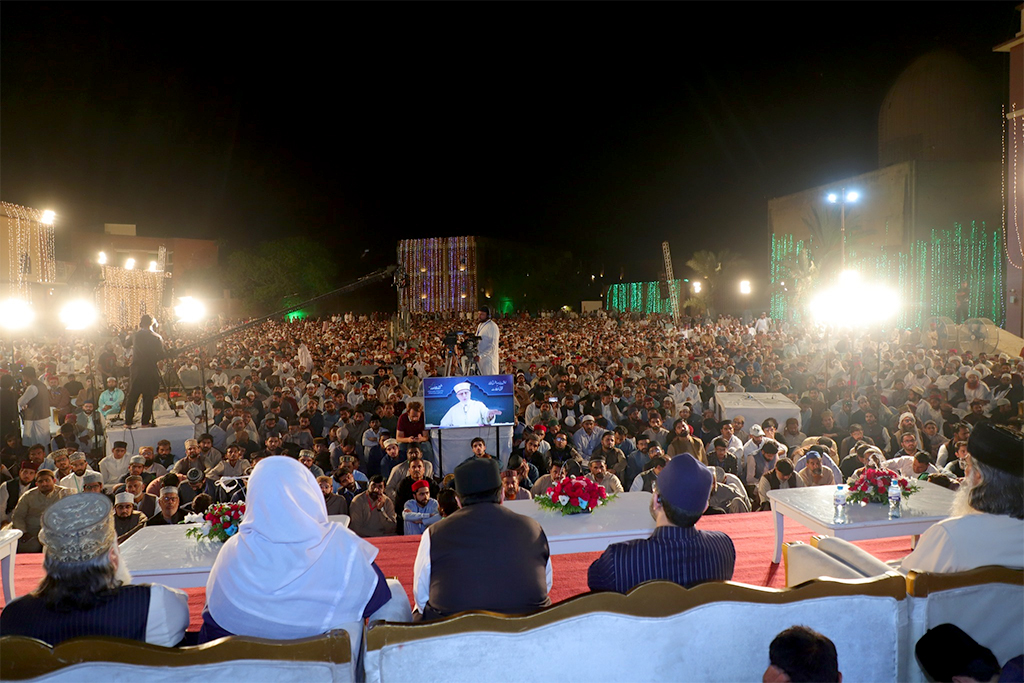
column 895, row 501
column 839, row 505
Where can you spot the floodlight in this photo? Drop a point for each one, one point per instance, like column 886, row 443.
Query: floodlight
column 47, row 217
column 102, row 258
column 78, row 315
column 16, row 314
column 852, row 196
column 853, row 303
column 152, row 266
column 129, row 264
column 696, row 287
column 832, row 197
column 190, row 310
column 744, row 286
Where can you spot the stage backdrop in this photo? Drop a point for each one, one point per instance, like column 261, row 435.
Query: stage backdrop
column 487, row 393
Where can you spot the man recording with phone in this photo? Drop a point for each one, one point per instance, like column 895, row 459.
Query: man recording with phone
column 487, row 352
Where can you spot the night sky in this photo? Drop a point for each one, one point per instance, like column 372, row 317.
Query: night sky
column 602, row 128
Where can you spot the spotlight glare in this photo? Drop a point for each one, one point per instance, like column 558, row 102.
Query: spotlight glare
column 152, row 266
column 876, row 303
column 129, row 264
column 16, row 314
column 190, row 310
column 102, row 258
column 745, row 287
column 78, row 315
column 696, row 287
column 832, row 197
column 852, row 196
column 47, row 217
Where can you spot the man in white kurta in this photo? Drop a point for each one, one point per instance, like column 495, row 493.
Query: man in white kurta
column 487, row 351
column 467, row 412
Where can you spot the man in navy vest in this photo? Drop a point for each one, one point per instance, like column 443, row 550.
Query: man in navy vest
column 92, row 596
column 483, row 556
column 676, row 551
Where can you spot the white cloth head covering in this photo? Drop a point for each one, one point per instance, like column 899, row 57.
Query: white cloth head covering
column 289, row 569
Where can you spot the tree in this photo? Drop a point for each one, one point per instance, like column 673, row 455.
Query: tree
column 825, row 227
column 280, row 273
column 714, row 269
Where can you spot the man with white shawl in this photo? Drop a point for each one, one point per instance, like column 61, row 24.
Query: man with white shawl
column 289, row 572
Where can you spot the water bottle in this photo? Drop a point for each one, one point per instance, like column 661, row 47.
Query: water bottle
column 895, row 500
column 839, row 505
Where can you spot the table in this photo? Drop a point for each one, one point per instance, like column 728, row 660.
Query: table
column 175, row 429
column 626, row 518
column 813, row 507
column 162, row 554
column 8, row 549
column 755, row 408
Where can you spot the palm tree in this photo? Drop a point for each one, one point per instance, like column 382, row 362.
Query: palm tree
column 826, row 235
column 713, row 268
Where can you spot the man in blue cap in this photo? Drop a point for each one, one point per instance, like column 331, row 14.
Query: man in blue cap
column 676, row 551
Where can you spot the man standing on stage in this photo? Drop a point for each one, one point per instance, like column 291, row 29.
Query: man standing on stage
column 34, row 405
column 145, row 376
column 487, row 330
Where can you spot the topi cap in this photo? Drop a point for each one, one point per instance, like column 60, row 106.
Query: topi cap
column 390, row 442
column 477, row 475
column 28, row 465
column 998, row 446
column 420, row 484
column 812, row 453
column 685, row 484
column 120, row 444
column 60, row 453
column 78, row 528
column 194, row 476
column 137, row 460
column 462, row 386
column 92, row 478
column 168, row 489
column 587, row 418
column 124, row 497
column 76, row 456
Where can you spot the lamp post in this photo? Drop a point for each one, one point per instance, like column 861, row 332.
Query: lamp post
column 842, row 198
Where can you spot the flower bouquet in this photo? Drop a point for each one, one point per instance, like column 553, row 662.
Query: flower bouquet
column 219, row 523
column 871, row 485
column 573, row 495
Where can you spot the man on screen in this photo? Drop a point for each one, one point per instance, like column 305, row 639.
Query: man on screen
column 467, row 412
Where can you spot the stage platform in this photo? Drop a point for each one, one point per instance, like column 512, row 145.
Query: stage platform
column 752, row 533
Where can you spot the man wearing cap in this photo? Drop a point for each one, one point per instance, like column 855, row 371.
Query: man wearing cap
column 115, row 466
column 987, row 522
column 86, row 590
column 126, row 517
column 487, row 349
column 1004, row 412
column 199, row 411
column 92, row 482
column 421, row 511
column 401, row 470
column 34, row 406
column 482, row 556
column 144, row 502
column 587, row 438
column 781, row 476
column 195, row 484
column 12, row 491
column 975, row 389
column 676, row 551
column 27, row 515
column 813, row 474
column 193, row 458
column 170, row 511
column 136, row 467
column 600, row 475
column 75, row 482
column 468, row 412
column 111, row 399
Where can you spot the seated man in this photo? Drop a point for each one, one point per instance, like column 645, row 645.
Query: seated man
column 646, row 480
column 372, row 512
column 779, row 477
column 599, row 474
column 170, row 511
column 813, row 474
column 336, row 505
column 28, row 513
column 421, row 511
column 987, row 522
column 126, row 518
column 482, row 556
column 92, row 482
column 86, row 591
column 916, row 466
column 144, row 502
column 510, row 486
column 401, row 470
column 676, row 551
column 728, row 494
column 800, row 654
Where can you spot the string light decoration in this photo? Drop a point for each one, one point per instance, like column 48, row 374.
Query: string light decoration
column 128, row 293
column 926, row 274
column 1016, row 126
column 641, row 297
column 440, row 275
column 30, row 249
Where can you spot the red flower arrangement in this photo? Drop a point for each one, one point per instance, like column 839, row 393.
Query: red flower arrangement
column 219, row 522
column 871, row 485
column 573, row 495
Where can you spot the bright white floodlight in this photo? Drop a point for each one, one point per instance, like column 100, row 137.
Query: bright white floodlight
column 129, row 264
column 102, row 258
column 696, row 287
column 832, row 197
column 16, row 314
column 47, row 217
column 190, row 310
column 78, row 315
column 853, row 303
column 744, row 286
column 152, row 266
column 852, row 196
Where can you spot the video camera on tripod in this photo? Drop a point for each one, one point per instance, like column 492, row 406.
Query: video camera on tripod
column 465, row 345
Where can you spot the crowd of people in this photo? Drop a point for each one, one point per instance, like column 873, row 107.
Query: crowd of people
column 628, row 401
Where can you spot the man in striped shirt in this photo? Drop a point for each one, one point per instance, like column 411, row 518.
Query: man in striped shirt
column 676, row 551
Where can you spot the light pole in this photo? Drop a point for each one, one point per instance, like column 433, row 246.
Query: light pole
column 842, row 198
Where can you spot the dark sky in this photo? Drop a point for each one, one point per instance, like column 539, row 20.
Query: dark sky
column 606, row 128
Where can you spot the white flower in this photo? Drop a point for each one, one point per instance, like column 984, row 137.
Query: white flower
column 563, row 499
column 193, row 518
column 204, row 529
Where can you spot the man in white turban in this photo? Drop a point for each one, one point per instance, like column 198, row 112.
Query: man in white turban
column 467, row 412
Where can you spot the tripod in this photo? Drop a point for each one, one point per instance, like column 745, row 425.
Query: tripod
column 465, row 365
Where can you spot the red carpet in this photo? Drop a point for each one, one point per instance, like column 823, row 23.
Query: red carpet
column 753, row 535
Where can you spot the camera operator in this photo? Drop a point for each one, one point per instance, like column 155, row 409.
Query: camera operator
column 487, row 353
column 148, row 350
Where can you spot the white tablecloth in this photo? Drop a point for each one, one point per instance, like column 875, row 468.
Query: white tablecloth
column 756, row 408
